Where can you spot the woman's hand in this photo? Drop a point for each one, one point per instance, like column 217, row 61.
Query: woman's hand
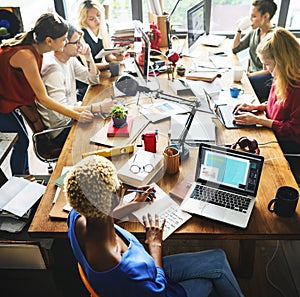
column 246, row 118
column 85, row 117
column 154, row 232
column 148, row 194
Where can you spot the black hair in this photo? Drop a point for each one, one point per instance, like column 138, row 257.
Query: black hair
column 266, row 6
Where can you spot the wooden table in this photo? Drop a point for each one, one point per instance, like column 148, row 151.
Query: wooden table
column 262, row 225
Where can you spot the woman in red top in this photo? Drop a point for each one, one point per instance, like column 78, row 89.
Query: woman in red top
column 21, row 83
column 280, row 54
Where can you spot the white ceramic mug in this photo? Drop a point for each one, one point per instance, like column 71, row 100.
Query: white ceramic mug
column 238, row 72
column 244, row 23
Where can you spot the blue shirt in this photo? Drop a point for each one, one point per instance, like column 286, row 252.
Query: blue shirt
column 135, row 276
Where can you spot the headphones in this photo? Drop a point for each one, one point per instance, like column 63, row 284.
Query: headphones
column 244, row 142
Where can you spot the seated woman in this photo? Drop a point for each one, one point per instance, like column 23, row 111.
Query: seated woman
column 115, row 262
column 280, row 54
column 262, row 11
column 95, row 33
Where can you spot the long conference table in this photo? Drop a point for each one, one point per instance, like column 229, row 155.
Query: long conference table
column 263, row 225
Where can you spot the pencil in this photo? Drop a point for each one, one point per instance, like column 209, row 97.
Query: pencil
column 139, row 191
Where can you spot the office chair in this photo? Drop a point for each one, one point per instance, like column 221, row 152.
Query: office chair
column 294, row 162
column 45, row 149
column 86, row 282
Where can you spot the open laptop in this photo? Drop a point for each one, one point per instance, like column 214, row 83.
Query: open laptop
column 225, row 186
column 223, row 112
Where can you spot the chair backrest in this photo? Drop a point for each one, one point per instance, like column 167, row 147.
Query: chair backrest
column 45, row 149
column 86, row 282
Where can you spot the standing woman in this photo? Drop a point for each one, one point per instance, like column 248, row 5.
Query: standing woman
column 261, row 13
column 21, row 83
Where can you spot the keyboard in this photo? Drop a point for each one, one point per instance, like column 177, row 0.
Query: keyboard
column 221, row 198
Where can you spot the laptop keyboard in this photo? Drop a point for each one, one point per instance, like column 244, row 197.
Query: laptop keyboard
column 221, row 198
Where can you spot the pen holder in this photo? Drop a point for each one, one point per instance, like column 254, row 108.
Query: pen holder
column 171, row 159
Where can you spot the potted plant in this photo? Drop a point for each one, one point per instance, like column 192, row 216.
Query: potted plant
column 119, row 115
column 180, row 70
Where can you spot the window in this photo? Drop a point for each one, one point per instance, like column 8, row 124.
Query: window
column 293, row 16
column 30, row 10
column 225, row 14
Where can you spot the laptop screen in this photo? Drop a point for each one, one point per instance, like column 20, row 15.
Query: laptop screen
column 229, row 169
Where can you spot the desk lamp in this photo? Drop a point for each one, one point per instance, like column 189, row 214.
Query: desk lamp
column 180, row 145
column 168, row 26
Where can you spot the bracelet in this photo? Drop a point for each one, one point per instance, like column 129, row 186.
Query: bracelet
column 91, row 108
column 239, row 31
column 156, row 244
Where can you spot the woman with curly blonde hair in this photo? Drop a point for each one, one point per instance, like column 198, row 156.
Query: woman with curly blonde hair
column 280, row 54
column 115, row 262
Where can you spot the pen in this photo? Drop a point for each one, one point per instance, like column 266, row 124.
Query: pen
column 139, row 191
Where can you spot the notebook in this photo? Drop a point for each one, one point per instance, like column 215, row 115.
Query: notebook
column 225, row 185
column 212, row 40
column 223, row 112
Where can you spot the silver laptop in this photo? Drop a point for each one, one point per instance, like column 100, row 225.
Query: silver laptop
column 223, row 112
column 225, row 186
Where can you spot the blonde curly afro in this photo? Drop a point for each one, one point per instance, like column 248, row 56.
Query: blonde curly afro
column 91, row 187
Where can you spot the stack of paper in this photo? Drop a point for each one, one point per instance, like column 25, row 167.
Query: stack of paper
column 141, row 168
column 166, row 208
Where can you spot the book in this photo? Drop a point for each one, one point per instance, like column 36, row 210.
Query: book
column 139, row 124
column 18, row 195
column 141, row 168
column 165, row 207
column 208, row 76
column 113, row 131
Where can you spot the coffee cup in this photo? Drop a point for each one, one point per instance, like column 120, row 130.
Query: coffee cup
column 171, row 159
column 114, row 68
column 235, row 91
column 244, row 23
column 285, row 202
column 238, row 72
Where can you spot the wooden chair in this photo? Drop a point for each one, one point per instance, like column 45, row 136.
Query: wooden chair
column 45, row 149
column 86, row 282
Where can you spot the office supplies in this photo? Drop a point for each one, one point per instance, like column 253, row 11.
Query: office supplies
column 225, row 185
column 204, row 76
column 110, row 152
column 141, row 168
column 165, row 207
column 224, row 113
column 139, row 191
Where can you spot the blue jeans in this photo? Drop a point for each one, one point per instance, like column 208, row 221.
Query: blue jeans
column 13, row 122
column 261, row 85
column 202, row 274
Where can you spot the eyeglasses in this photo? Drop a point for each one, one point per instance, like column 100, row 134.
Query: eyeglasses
column 134, row 168
column 77, row 42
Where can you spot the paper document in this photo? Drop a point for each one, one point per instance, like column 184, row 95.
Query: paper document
column 18, row 195
column 105, row 52
column 165, row 207
column 202, row 128
column 224, row 97
column 162, row 110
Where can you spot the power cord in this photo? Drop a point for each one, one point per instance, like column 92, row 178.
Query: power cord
column 267, row 271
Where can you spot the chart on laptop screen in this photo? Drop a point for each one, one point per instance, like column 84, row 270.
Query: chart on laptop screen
column 226, row 170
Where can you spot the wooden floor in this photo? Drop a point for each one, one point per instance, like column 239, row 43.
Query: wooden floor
column 281, row 279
